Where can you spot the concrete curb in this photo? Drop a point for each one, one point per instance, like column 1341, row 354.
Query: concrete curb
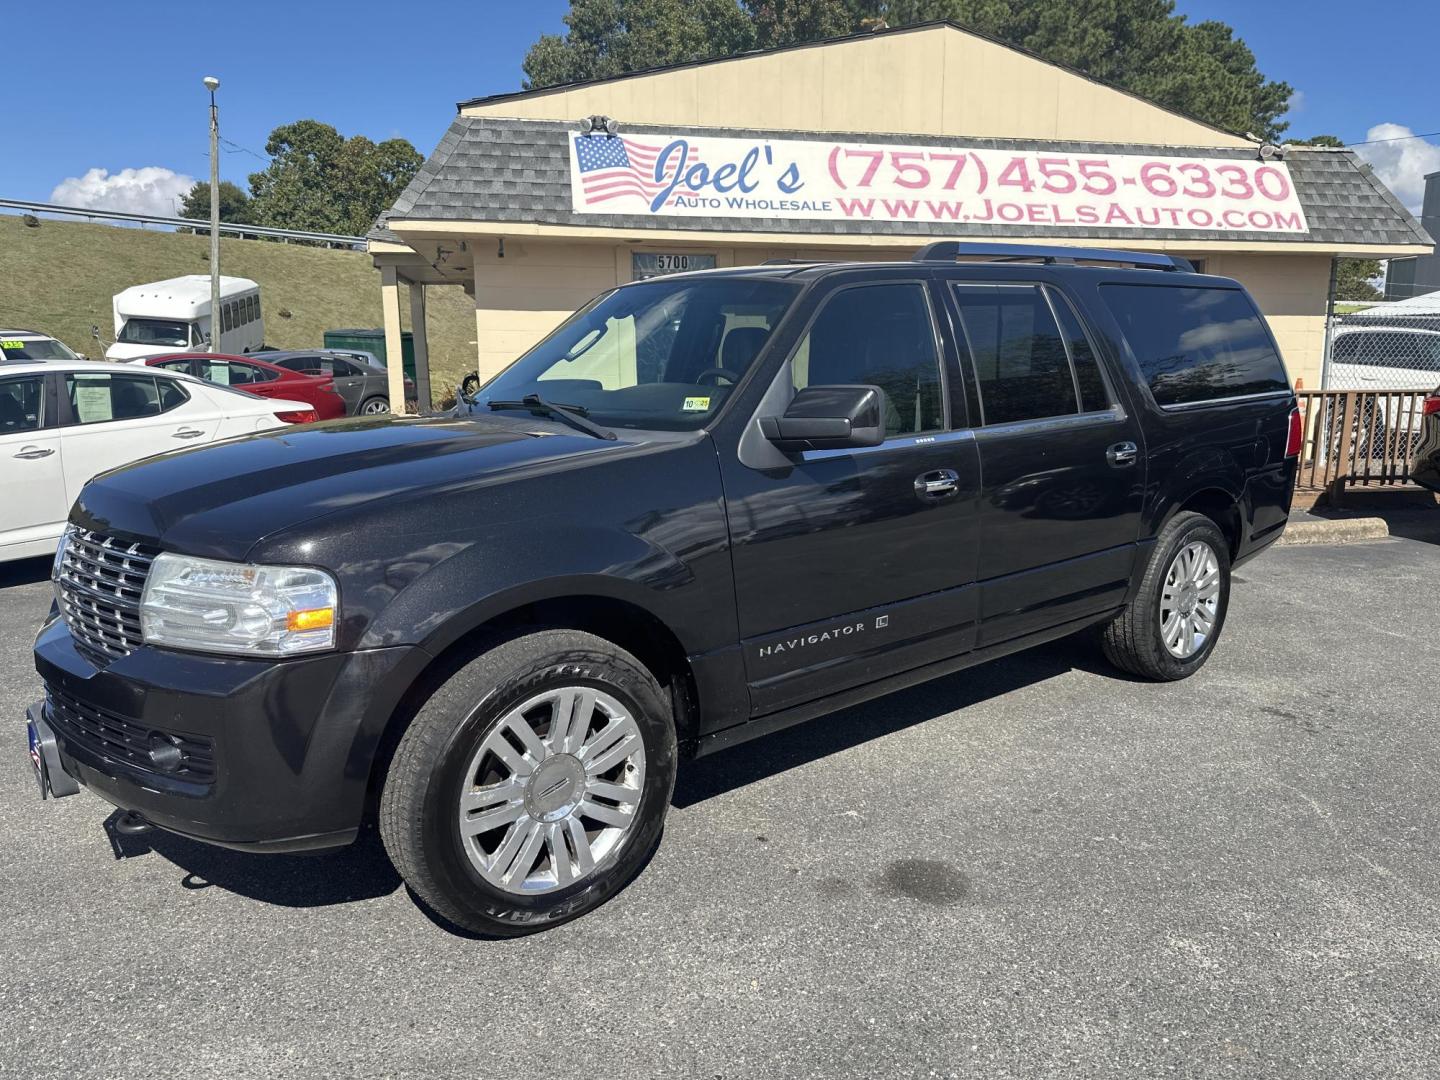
column 1333, row 531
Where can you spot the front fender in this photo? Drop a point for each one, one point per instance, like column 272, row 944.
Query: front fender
column 543, row 559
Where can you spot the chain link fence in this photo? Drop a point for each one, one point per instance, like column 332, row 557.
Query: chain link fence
column 1376, row 350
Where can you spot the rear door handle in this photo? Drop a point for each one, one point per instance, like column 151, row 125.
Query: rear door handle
column 31, row 452
column 937, row 484
column 187, row 433
column 1122, row 454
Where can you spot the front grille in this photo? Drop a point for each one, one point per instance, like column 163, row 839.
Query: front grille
column 113, row 736
column 98, row 583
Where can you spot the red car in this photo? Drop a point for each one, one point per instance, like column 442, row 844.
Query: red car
column 259, row 378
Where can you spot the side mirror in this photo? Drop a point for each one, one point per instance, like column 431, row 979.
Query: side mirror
column 829, row 418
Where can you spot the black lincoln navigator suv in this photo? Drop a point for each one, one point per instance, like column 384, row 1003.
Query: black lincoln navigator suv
column 708, row 506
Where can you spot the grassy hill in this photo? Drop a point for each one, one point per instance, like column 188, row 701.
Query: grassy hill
column 59, row 279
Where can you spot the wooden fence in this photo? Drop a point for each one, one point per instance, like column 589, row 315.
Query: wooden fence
column 1358, row 437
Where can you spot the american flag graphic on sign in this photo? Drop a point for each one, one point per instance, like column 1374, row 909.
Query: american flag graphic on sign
column 612, row 167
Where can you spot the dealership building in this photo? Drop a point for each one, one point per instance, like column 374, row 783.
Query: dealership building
column 864, row 147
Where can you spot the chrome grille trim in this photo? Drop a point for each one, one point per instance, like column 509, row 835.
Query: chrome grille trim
column 99, row 583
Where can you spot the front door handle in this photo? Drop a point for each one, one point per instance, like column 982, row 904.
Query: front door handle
column 1122, row 454
column 937, row 484
column 187, row 433
column 29, row 453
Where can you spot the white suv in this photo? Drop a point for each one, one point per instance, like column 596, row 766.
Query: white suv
column 1384, row 358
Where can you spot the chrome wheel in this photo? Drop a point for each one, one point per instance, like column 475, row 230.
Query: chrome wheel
column 1190, row 600
column 553, row 790
column 374, row 406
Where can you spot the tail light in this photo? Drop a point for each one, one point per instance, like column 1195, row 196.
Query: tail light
column 298, row 416
column 1296, row 435
column 1431, row 404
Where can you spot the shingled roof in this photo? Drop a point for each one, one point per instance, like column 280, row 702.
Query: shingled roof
column 502, row 170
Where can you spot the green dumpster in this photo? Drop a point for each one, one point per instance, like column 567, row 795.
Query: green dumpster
column 373, row 341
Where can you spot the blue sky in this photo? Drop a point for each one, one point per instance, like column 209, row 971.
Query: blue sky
column 110, row 86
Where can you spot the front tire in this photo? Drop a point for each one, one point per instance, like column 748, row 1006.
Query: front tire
column 1170, row 629
column 532, row 785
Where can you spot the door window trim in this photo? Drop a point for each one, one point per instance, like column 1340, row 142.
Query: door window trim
column 786, row 370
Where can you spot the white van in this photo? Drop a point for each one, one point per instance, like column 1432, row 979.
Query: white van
column 174, row 316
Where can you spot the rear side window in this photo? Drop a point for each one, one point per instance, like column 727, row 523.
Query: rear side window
column 100, row 397
column 1196, row 344
column 1018, row 354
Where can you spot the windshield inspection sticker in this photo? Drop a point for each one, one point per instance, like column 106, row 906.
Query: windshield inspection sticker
column 695, row 404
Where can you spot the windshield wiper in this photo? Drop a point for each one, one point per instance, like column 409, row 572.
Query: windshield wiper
column 574, row 415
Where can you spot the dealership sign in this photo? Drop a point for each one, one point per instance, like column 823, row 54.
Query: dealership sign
column 675, row 176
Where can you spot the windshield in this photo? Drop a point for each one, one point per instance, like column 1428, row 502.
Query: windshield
column 155, row 332
column 663, row 355
column 34, row 349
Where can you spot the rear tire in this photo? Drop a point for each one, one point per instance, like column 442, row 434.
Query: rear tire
column 373, row 406
column 1170, row 629
column 532, row 785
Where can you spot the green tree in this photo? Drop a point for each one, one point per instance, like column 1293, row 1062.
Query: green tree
column 1353, row 277
column 611, row 37
column 319, row 180
column 1200, row 69
column 1318, row 140
column 234, row 203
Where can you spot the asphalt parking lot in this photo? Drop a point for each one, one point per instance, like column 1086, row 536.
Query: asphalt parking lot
column 1035, row 868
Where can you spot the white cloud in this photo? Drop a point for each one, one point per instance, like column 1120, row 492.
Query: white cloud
column 151, row 190
column 1401, row 163
column 1296, row 103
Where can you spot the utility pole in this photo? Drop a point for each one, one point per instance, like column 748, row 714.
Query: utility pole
column 212, row 84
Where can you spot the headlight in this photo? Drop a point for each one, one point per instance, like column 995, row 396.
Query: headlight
column 227, row 607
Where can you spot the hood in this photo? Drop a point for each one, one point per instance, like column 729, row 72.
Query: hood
column 218, row 501
column 121, row 351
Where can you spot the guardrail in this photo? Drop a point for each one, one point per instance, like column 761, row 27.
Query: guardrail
column 203, row 225
column 1358, row 437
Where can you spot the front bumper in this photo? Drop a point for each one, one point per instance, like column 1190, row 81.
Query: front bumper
column 274, row 755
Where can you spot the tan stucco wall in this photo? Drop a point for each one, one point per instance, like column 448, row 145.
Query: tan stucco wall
column 523, row 296
column 933, row 81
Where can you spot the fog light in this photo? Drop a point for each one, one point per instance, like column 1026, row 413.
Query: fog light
column 164, row 754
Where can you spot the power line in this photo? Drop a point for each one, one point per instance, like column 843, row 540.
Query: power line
column 235, row 148
column 1397, row 138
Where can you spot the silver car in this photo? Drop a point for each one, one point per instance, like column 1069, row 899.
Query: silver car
column 359, row 378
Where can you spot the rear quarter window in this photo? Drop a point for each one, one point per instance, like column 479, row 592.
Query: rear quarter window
column 1196, row 344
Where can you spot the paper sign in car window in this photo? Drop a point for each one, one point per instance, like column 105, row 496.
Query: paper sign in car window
column 92, row 398
column 217, row 373
column 695, row 404
column 10, row 344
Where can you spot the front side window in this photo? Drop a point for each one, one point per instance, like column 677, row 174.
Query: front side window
column 1018, row 353
column 97, row 397
column 20, row 408
column 1196, row 344
column 165, row 332
column 661, row 355
column 878, row 335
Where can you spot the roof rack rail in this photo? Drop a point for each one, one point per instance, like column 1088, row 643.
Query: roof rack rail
column 792, row 262
column 951, row 250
